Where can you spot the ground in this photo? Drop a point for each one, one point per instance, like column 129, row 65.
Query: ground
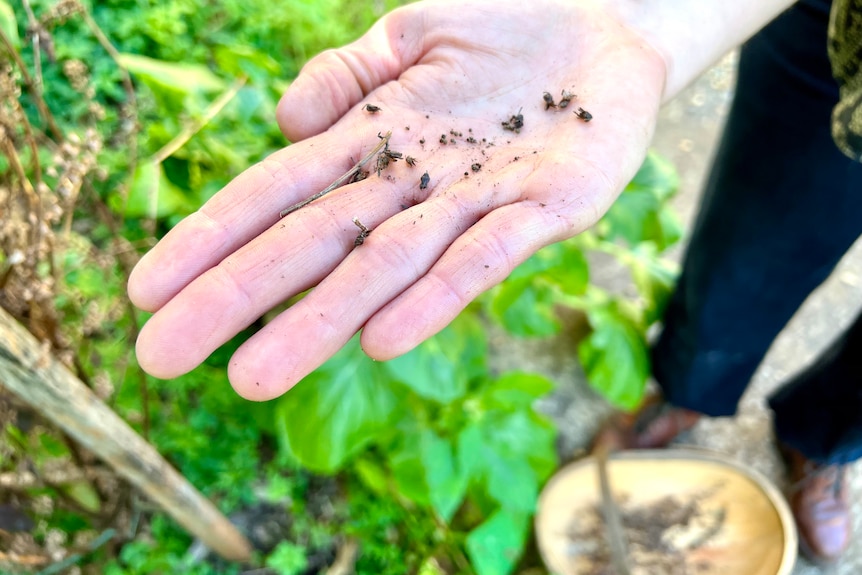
column 686, row 134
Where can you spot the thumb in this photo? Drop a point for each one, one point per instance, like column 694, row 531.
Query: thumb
column 335, row 80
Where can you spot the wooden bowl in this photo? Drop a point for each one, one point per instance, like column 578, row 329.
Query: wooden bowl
column 683, row 511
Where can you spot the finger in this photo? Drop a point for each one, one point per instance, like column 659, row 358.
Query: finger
column 485, row 256
column 243, row 209
column 290, row 257
column 336, row 80
column 395, row 255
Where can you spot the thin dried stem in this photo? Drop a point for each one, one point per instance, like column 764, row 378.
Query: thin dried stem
column 32, row 195
column 384, row 142
column 107, row 216
column 186, row 134
column 613, row 518
column 35, row 27
column 44, row 112
column 128, row 86
column 32, row 188
column 34, row 151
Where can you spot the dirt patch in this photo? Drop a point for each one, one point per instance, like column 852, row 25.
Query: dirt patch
column 662, row 536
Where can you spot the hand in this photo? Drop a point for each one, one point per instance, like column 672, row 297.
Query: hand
column 433, row 68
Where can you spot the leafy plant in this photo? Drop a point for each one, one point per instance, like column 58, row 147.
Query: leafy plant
column 639, row 226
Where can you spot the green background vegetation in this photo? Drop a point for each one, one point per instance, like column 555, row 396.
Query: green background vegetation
column 430, row 463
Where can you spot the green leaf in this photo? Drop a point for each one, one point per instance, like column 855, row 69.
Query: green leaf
column 615, row 356
column 84, row 495
column 288, row 559
column 240, row 59
column 251, row 101
column 443, row 365
column 151, row 193
column 508, row 454
column 670, row 226
column 524, row 303
column 278, row 488
column 562, row 261
column 655, row 279
column 8, row 24
column 172, row 76
column 639, row 214
column 470, row 448
column 522, row 434
column 525, row 309
column 446, row 485
column 337, row 410
column 372, row 475
column 633, row 217
column 405, row 461
column 50, row 447
column 516, row 389
column 658, row 175
column 511, row 482
column 496, row 545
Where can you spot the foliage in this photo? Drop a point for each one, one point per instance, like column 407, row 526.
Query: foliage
column 636, row 229
column 437, row 429
column 287, row 559
column 123, row 118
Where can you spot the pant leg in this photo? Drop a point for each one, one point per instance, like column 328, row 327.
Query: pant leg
column 819, row 412
column 780, row 208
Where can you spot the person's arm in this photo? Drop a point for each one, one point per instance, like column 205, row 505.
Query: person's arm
column 691, row 36
column 440, row 72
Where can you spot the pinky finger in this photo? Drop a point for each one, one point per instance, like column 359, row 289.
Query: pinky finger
column 476, row 262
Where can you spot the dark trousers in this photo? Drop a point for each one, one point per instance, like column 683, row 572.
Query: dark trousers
column 780, row 208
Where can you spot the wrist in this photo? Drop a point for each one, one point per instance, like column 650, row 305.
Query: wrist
column 692, row 36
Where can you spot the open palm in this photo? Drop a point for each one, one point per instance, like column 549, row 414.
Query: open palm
column 446, row 77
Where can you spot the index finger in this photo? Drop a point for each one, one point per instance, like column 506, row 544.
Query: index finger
column 246, row 207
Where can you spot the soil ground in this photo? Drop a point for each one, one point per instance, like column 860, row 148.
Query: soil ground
column 687, row 133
